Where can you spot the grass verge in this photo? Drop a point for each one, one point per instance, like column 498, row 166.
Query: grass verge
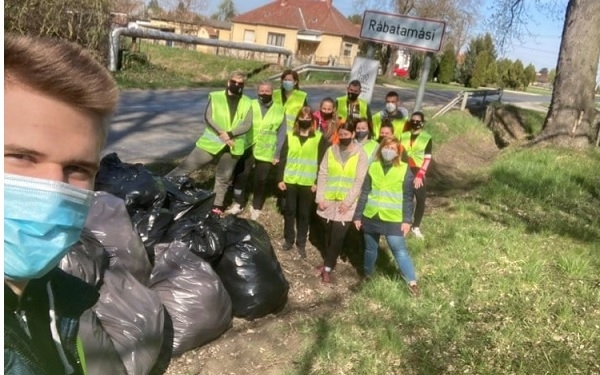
column 509, row 274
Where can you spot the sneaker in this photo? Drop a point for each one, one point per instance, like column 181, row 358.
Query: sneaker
column 414, row 290
column 417, row 232
column 254, row 214
column 234, row 209
column 287, row 246
column 301, row 251
column 217, row 211
column 326, row 277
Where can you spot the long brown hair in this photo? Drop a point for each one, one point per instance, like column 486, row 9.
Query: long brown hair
column 305, row 111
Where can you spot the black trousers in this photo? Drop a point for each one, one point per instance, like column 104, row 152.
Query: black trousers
column 335, row 233
column 420, row 194
column 298, row 203
column 242, row 174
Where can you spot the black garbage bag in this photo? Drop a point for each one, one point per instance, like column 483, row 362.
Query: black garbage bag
column 193, row 295
column 101, row 357
column 87, row 259
column 110, row 223
column 136, row 185
column 205, row 237
column 183, row 197
column 250, row 271
column 151, row 226
column 133, row 316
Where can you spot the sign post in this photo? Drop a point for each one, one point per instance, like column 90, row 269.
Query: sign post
column 412, row 32
column 365, row 71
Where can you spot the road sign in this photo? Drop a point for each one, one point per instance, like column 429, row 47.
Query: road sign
column 365, row 71
column 412, row 32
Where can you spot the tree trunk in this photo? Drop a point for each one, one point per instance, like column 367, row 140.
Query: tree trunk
column 571, row 115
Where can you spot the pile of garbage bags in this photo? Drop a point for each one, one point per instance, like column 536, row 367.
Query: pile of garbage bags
column 171, row 275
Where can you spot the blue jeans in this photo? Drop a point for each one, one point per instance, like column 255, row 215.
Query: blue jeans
column 398, row 247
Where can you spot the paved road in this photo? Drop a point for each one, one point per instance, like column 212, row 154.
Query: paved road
column 163, row 125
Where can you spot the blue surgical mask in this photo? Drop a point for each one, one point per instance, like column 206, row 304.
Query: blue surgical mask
column 42, row 220
column 287, row 85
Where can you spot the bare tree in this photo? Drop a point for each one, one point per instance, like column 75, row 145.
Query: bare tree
column 572, row 110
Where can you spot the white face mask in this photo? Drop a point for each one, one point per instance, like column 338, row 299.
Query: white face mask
column 388, row 154
column 390, row 107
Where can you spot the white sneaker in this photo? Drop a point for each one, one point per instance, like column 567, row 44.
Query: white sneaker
column 234, row 209
column 417, row 232
column 254, row 214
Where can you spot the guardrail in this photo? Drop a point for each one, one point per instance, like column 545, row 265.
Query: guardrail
column 465, row 95
column 190, row 39
column 316, row 68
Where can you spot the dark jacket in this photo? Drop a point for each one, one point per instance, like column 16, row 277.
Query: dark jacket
column 36, row 353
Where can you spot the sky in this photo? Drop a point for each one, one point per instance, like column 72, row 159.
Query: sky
column 540, row 48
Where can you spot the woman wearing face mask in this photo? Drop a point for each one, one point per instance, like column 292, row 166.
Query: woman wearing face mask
column 326, row 117
column 385, row 208
column 290, row 96
column 340, row 178
column 417, row 144
column 297, row 176
column 364, row 138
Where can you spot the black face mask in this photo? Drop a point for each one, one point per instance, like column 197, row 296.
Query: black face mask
column 265, row 98
column 352, row 96
column 416, row 124
column 360, row 135
column 304, row 124
column 235, row 89
column 345, row 141
column 327, row 116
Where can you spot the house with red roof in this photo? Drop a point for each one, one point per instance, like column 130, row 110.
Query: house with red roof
column 313, row 29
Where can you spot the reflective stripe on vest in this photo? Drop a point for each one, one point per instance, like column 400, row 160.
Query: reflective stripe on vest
column 342, row 107
column 398, row 124
column 386, row 195
column 340, row 177
column 210, row 141
column 264, row 131
column 417, row 151
column 302, row 164
column 292, row 105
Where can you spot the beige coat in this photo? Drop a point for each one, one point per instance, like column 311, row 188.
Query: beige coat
column 331, row 211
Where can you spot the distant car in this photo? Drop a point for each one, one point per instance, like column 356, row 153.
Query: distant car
column 400, row 72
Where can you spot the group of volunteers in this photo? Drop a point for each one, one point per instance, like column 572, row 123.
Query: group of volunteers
column 351, row 167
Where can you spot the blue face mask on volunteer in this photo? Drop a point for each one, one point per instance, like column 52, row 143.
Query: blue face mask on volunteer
column 42, row 220
column 288, row 85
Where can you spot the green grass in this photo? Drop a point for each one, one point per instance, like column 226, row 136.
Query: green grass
column 156, row 66
column 509, row 275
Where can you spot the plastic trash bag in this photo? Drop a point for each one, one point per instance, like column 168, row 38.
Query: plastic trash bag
column 136, row 185
column 101, row 357
column 183, row 197
column 151, row 226
column 87, row 260
column 250, row 271
column 205, row 237
column 193, row 295
column 110, row 223
column 133, row 317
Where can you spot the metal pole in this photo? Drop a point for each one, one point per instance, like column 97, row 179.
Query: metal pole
column 424, row 76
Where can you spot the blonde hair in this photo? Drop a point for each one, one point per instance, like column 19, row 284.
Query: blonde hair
column 61, row 70
column 386, row 142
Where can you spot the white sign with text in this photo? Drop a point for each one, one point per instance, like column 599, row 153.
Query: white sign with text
column 365, row 70
column 412, row 32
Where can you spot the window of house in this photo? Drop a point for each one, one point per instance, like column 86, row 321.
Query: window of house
column 274, row 39
column 249, row 36
column 347, row 49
